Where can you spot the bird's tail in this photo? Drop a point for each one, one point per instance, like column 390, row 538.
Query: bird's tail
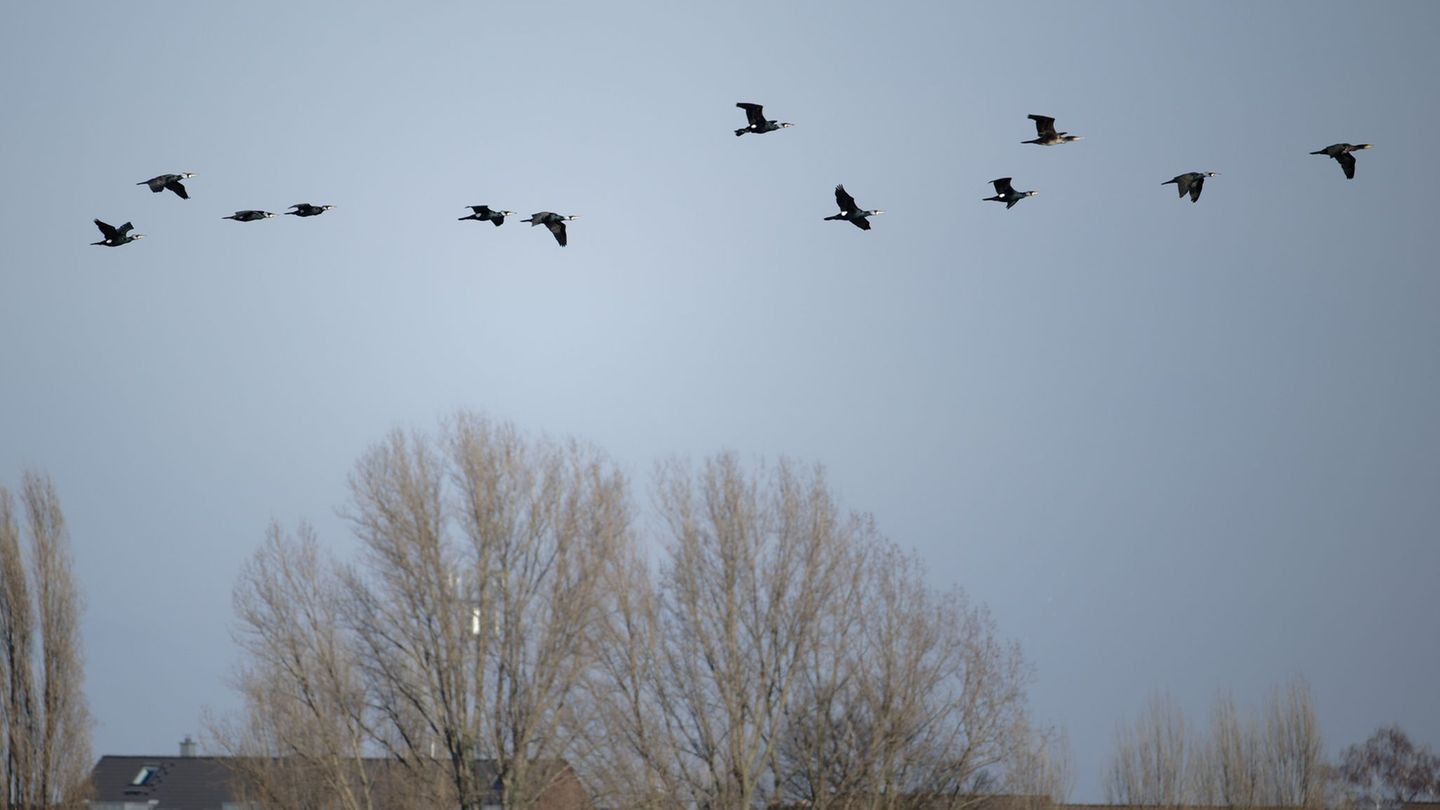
column 1318, row 152
column 462, row 219
column 740, row 132
column 1168, row 182
column 837, row 216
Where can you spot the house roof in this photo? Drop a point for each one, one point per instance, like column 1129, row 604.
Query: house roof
column 205, row 783
column 172, row 783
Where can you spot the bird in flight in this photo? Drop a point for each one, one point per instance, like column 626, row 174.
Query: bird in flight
column 1191, row 183
column 1046, row 134
column 1343, row 154
column 755, row 114
column 250, row 215
column 169, row 181
column 1006, row 193
column 307, row 210
column 115, row 237
column 484, row 213
column 555, row 222
column 850, row 212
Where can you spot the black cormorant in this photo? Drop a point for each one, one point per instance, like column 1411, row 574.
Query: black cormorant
column 1045, row 130
column 1006, row 193
column 758, row 124
column 1191, row 183
column 308, row 210
column 850, row 212
column 555, row 222
column 1341, row 153
column 483, row 213
column 115, row 237
column 170, row 181
column 250, row 216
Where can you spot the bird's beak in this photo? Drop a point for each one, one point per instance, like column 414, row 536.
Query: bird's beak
column 138, row 235
column 878, row 211
column 1365, row 146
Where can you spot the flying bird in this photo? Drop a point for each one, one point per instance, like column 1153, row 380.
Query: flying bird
column 250, row 216
column 115, row 237
column 1045, row 130
column 1342, row 154
column 483, row 213
column 170, row 181
column 307, row 210
column 1191, row 183
column 555, row 222
column 1006, row 193
column 755, row 114
column 850, row 212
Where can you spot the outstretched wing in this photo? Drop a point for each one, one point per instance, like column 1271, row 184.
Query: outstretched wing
column 755, row 113
column 498, row 219
column 481, row 209
column 1347, row 162
column 557, row 227
column 1003, row 187
column 174, row 185
column 1044, row 125
column 1182, row 182
column 862, row 223
column 1195, row 188
column 844, row 200
column 107, row 230
column 124, row 229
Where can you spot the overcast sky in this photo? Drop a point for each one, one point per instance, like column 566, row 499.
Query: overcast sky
column 1172, row 446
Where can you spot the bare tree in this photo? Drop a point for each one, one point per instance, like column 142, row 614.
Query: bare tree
column 1292, row 749
column 1039, row 772
column 1226, row 769
column 467, row 629
column 1150, row 764
column 476, row 609
column 1273, row 758
column 302, row 740
column 1388, row 769
column 914, row 695
column 785, row 652
column 712, row 663
column 782, row 650
column 43, row 716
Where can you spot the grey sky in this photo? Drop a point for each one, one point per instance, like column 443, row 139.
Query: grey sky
column 1172, row 446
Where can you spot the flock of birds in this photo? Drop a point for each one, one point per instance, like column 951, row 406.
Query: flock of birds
column 124, row 235
column 1191, row 183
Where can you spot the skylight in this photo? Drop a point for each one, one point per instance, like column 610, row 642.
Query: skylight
column 143, row 777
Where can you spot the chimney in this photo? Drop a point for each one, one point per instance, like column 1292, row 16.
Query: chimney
column 187, row 747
